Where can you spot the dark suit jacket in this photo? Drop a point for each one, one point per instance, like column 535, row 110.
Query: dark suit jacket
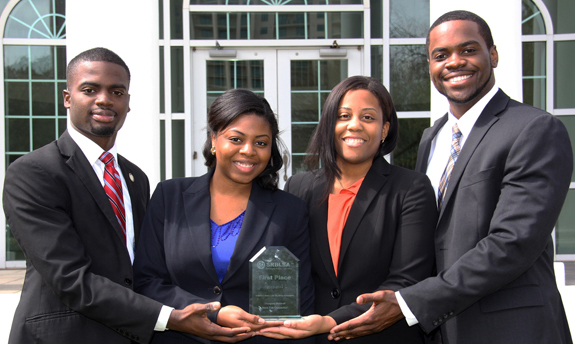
column 78, row 280
column 174, row 264
column 493, row 244
column 387, row 243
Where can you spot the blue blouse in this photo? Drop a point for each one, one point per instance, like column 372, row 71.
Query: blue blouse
column 224, row 239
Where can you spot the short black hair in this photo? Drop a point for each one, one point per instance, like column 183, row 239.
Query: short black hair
column 229, row 106
column 95, row 55
column 321, row 150
column 484, row 30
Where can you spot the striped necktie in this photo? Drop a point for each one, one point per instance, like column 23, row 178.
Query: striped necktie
column 455, row 149
column 113, row 188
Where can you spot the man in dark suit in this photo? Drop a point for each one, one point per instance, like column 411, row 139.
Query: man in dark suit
column 510, row 167
column 78, row 235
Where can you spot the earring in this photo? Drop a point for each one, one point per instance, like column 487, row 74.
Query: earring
column 383, row 140
column 213, row 150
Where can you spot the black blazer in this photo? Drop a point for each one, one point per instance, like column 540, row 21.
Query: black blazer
column 78, row 280
column 493, row 244
column 387, row 243
column 174, row 264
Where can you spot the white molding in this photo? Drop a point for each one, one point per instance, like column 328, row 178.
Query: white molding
column 407, row 41
column 277, row 43
column 167, row 91
column 413, row 114
column 274, row 9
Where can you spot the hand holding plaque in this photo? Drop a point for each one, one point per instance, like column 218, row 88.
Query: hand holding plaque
column 274, row 284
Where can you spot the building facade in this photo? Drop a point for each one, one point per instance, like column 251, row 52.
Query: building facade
column 183, row 54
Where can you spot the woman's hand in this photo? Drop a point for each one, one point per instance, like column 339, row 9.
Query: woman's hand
column 233, row 316
column 297, row 329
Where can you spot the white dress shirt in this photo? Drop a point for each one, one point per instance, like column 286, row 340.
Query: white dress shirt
column 93, row 152
column 438, row 157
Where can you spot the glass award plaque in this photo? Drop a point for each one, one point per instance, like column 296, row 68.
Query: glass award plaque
column 274, row 284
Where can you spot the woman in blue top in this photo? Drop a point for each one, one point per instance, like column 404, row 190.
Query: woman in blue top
column 199, row 233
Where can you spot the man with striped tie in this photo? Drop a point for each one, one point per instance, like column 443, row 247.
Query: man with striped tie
column 75, row 206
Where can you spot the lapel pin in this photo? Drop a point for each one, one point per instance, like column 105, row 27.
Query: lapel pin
column 131, row 177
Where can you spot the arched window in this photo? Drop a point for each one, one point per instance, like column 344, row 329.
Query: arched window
column 548, row 73
column 34, row 73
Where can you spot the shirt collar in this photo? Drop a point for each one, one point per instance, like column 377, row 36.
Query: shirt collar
column 467, row 121
column 90, row 149
column 353, row 188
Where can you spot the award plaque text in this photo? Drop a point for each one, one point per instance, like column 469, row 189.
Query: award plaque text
column 274, row 284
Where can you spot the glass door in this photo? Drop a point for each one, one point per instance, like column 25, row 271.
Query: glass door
column 213, row 75
column 294, row 82
column 304, row 88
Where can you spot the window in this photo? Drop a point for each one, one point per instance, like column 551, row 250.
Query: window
column 34, row 77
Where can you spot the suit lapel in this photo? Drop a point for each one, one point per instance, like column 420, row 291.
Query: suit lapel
column 79, row 164
column 374, row 180
column 487, row 118
column 197, row 202
column 425, row 145
column 318, row 223
column 135, row 195
column 258, row 214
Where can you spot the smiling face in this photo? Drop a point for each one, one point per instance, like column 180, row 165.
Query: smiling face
column 460, row 64
column 243, row 150
column 98, row 100
column 359, row 129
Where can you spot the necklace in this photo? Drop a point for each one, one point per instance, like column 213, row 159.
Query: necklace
column 223, row 232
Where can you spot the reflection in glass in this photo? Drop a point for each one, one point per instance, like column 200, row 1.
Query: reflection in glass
column 13, row 250
column 42, row 62
column 532, row 20
column 16, row 62
column 162, row 89
column 311, row 83
column 227, row 75
column 564, row 74
column 562, row 14
column 410, row 84
column 410, row 131
column 331, row 72
column 377, row 62
column 37, row 19
column 176, row 22
column 408, row 18
column 276, row 2
column 18, row 135
column 300, row 135
column 43, row 99
column 534, row 74
column 565, row 229
column 16, row 100
column 177, row 79
column 272, row 25
column 178, row 149
column 43, row 131
column 569, row 122
column 305, row 107
column 376, row 19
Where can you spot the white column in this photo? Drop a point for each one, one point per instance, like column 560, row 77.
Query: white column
column 130, row 29
column 504, row 20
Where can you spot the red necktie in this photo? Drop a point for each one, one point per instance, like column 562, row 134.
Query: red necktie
column 113, row 188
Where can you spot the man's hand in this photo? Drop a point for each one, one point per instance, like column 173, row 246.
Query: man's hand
column 193, row 320
column 233, row 316
column 383, row 313
column 296, row 329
